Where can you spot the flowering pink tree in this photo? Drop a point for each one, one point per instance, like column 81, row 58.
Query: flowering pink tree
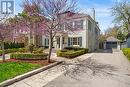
column 45, row 17
column 5, row 32
column 57, row 13
column 30, row 19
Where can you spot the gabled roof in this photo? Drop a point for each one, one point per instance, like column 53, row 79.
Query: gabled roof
column 112, row 39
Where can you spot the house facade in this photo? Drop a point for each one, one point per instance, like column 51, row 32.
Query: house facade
column 86, row 36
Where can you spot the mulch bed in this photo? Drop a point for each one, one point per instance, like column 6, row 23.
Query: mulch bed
column 40, row 62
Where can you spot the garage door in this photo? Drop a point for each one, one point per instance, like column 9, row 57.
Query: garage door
column 110, row 45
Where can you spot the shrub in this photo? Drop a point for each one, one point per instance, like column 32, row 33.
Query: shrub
column 22, row 50
column 71, row 52
column 13, row 45
column 126, row 52
column 0, row 52
column 10, row 50
column 28, row 56
column 31, row 48
column 40, row 50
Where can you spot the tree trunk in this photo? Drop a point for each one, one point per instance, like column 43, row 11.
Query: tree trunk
column 3, row 51
column 50, row 48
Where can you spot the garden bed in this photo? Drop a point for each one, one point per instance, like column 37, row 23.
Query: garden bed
column 12, row 67
column 29, row 56
column 71, row 52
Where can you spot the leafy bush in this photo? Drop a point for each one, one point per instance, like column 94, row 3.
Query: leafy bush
column 71, row 52
column 22, row 50
column 11, row 50
column 40, row 50
column 73, row 48
column 31, row 48
column 23, row 56
column 13, row 45
column 0, row 52
column 126, row 52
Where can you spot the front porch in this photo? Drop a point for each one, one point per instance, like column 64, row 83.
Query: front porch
column 60, row 41
column 63, row 40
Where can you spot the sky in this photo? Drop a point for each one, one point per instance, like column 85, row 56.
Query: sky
column 102, row 8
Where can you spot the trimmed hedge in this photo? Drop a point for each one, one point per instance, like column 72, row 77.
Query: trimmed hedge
column 28, row 56
column 13, row 50
column 74, row 48
column 1, row 52
column 13, row 45
column 71, row 53
column 8, row 51
column 126, row 52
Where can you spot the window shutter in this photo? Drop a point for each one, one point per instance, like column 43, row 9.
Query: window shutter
column 68, row 41
column 80, row 41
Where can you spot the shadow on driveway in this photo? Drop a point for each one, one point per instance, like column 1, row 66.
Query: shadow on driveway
column 104, row 51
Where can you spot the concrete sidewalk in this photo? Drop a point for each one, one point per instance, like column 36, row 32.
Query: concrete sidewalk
column 43, row 78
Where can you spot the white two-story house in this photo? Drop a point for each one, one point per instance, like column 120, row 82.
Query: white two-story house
column 86, row 36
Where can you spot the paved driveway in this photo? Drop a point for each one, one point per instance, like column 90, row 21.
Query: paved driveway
column 119, row 78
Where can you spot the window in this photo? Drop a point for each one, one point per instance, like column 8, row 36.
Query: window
column 79, row 24
column 69, row 25
column 58, row 40
column 75, row 41
column 63, row 40
column 61, row 26
column 46, row 42
column 89, row 25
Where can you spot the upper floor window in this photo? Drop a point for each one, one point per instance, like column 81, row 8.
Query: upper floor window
column 89, row 25
column 68, row 25
column 79, row 24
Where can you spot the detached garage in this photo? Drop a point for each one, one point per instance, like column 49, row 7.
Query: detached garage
column 112, row 42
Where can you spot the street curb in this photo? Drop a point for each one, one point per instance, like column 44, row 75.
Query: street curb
column 28, row 74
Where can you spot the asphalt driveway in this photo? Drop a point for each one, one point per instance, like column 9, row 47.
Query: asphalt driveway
column 118, row 78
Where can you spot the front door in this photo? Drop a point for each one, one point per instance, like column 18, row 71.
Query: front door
column 58, row 42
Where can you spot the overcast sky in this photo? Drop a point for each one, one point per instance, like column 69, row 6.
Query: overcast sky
column 102, row 7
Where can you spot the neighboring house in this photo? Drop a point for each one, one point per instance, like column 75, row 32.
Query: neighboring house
column 86, row 36
column 112, row 42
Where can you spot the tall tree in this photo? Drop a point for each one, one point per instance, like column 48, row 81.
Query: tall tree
column 113, row 31
column 116, row 32
column 121, row 11
column 5, row 32
column 54, row 14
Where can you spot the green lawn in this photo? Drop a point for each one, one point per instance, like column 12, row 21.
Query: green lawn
column 11, row 69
